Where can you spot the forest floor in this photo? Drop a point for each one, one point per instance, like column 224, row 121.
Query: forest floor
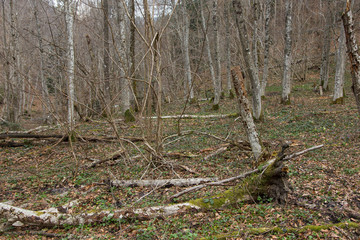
column 45, row 174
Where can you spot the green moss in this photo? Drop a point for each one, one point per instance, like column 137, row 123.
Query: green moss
column 231, row 94
column 215, row 107
column 264, row 230
column 338, row 101
column 129, row 117
column 251, row 186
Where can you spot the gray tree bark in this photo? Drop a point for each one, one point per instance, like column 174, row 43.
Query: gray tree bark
column 186, row 52
column 353, row 54
column 106, row 57
column 251, row 71
column 217, row 86
column 227, row 49
column 325, row 59
column 268, row 6
column 13, row 100
column 70, row 59
column 208, row 49
column 245, row 112
column 44, row 88
column 338, row 97
column 286, row 82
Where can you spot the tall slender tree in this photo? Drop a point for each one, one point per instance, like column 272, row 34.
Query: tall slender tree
column 69, row 6
column 268, row 13
column 286, row 82
column 217, row 85
column 325, row 59
column 251, row 71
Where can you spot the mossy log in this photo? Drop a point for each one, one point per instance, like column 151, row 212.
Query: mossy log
column 281, row 230
column 269, row 180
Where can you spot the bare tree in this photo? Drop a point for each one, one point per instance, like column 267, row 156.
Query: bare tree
column 338, row 97
column 286, row 82
column 208, row 51
column 217, row 85
column 187, row 66
column 228, row 49
column 325, row 59
column 353, row 54
column 268, row 13
column 251, row 71
column 69, row 6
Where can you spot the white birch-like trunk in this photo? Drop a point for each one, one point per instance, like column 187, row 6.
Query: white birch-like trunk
column 325, row 59
column 245, row 112
column 268, row 11
column 186, row 52
column 251, row 72
column 207, row 48
column 217, row 86
column 338, row 97
column 286, row 81
column 70, row 58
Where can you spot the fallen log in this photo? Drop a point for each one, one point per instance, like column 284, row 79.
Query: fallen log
column 270, row 180
column 65, row 138
column 242, row 176
column 186, row 116
column 162, row 182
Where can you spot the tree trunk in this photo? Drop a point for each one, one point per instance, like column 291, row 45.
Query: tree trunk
column 70, row 58
column 256, row 14
column 247, row 119
column 106, row 57
column 268, row 6
column 132, row 52
column 353, row 54
column 44, row 88
column 227, row 49
column 186, row 52
column 338, row 97
column 13, row 100
column 325, row 59
column 124, row 81
column 251, row 72
column 217, row 86
column 208, row 49
column 286, row 82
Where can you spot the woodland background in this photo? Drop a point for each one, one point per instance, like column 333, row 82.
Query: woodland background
column 94, row 92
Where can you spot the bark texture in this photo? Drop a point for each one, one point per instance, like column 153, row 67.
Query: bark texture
column 338, row 97
column 208, row 50
column 162, row 182
column 187, row 53
column 268, row 11
column 286, row 82
column 217, row 86
column 69, row 17
column 325, row 59
column 245, row 112
column 353, row 54
column 251, row 71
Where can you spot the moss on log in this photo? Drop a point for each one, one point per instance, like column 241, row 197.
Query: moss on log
column 271, row 181
column 281, row 230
